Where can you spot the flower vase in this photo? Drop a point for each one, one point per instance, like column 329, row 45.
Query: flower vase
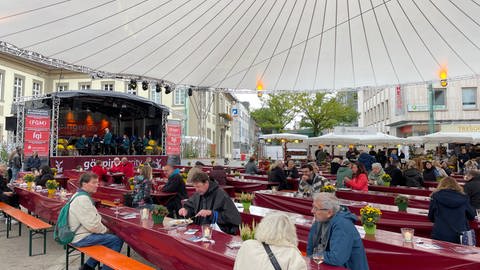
column 387, row 184
column 370, row 230
column 246, row 205
column 51, row 192
column 158, row 219
column 29, row 185
column 402, row 207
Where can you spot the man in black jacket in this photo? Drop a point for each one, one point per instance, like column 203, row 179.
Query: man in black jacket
column 6, row 194
column 175, row 184
column 472, row 187
column 210, row 201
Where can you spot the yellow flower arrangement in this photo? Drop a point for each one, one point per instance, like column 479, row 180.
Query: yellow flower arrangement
column 62, row 141
column 52, row 184
column 71, row 147
column 131, row 181
column 328, row 188
column 246, row 197
column 370, row 215
column 54, row 171
column 246, row 232
column 152, row 143
column 60, row 147
column 28, row 178
column 149, row 148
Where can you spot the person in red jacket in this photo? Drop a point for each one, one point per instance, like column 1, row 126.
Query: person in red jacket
column 99, row 170
column 117, row 166
column 359, row 179
column 128, row 169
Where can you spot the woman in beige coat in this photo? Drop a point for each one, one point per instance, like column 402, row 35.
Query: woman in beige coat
column 278, row 232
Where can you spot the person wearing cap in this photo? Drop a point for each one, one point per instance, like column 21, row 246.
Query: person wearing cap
column 344, row 170
column 195, row 169
column 251, row 166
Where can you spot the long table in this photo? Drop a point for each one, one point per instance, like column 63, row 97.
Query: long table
column 249, row 185
column 387, row 250
column 383, row 198
column 39, row 203
column 402, row 190
column 391, row 219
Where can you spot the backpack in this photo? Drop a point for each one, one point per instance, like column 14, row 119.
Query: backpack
column 62, row 233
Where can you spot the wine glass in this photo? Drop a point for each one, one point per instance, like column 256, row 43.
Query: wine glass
column 116, row 202
column 317, row 256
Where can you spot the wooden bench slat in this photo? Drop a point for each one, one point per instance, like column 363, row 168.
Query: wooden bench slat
column 28, row 220
column 112, row 258
column 4, row 206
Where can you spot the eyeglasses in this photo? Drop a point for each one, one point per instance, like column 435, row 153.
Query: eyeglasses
column 319, row 209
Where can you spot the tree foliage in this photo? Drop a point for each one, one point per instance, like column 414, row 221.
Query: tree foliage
column 277, row 112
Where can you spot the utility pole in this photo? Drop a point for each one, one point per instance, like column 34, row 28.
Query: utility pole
column 431, row 123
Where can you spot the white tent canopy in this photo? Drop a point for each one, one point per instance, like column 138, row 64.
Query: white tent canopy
column 379, row 138
column 287, row 45
column 284, row 136
column 452, row 137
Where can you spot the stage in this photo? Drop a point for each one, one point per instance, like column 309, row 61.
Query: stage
column 87, row 162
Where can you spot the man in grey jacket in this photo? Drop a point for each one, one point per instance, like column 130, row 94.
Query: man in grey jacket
column 84, row 216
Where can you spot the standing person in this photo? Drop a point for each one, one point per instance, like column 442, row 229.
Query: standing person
column 429, row 172
column 334, row 232
column 175, row 184
column 359, row 179
column 381, row 157
column 345, row 170
column 33, row 162
column 278, row 232
column 84, row 216
column 367, row 160
column 81, row 144
column 210, row 201
column 320, row 155
column 462, row 158
column 449, row 211
column 143, row 188
column 125, row 145
column 310, row 182
column 472, row 187
column 15, row 163
column 107, row 142
column 94, row 144
column 277, row 174
column 251, row 166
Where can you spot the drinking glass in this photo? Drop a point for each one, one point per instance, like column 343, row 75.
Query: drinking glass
column 407, row 234
column 317, row 256
column 116, row 202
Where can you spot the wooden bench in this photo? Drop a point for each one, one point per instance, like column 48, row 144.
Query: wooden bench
column 35, row 225
column 106, row 256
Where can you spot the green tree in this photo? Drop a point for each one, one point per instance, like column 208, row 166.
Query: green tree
column 277, row 112
column 322, row 111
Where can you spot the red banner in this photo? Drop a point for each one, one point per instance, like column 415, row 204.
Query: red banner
column 37, row 133
column 174, row 138
column 87, row 162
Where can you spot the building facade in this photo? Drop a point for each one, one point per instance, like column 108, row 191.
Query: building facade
column 404, row 111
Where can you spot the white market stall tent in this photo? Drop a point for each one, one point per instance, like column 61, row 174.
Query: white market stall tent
column 452, row 137
column 362, row 139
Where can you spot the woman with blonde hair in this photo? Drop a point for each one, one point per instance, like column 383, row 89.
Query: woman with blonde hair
column 277, row 233
column 449, row 210
column 143, row 187
column 440, row 172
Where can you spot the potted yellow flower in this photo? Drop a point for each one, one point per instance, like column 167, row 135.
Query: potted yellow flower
column 29, row 178
column 246, row 232
column 369, row 217
column 131, row 182
column 386, row 179
column 328, row 188
column 246, row 200
column 149, row 150
column 159, row 212
column 51, row 186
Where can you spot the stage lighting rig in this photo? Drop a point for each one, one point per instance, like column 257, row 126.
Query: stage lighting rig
column 158, row 88
column 133, row 84
column 190, row 91
column 168, row 90
column 145, row 85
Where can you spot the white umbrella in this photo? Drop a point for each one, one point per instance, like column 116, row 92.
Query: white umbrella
column 284, row 136
column 452, row 137
column 379, row 138
column 413, row 140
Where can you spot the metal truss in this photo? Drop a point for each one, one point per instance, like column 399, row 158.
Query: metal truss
column 164, row 130
column 54, row 123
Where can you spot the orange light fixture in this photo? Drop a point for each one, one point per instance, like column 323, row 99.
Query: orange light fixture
column 443, row 77
column 259, row 88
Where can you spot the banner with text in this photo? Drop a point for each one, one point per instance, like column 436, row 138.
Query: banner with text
column 174, row 137
column 37, row 133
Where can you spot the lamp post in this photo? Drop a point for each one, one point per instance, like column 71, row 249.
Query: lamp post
column 431, row 123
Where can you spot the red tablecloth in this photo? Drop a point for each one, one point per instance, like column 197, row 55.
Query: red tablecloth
column 402, row 190
column 40, row 204
column 382, row 197
column 248, row 185
column 431, row 184
column 387, row 250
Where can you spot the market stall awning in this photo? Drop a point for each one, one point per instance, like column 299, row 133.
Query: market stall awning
column 374, row 139
column 241, row 44
column 452, row 137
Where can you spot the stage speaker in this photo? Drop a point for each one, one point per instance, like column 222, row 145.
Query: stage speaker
column 11, row 123
column 151, row 112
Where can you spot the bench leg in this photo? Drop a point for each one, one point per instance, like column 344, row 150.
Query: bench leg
column 44, row 241
column 19, row 228
column 9, row 224
column 128, row 250
column 67, row 253
column 30, row 243
column 82, row 259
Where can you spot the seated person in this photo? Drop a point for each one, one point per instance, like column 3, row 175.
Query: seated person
column 117, row 166
column 45, row 175
column 84, row 215
column 100, row 171
column 6, row 194
column 334, row 232
column 278, row 232
column 195, row 169
column 175, row 184
column 33, row 162
column 376, row 174
column 251, row 167
column 128, row 169
column 210, row 198
column 143, row 188
column 277, row 175
column 310, row 182
column 219, row 175
column 291, row 170
column 359, row 179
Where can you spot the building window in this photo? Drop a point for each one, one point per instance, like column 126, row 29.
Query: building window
column 62, row 87
column 84, row 86
column 36, row 88
column 469, row 97
column 439, row 97
column 179, row 96
column 154, row 96
column 17, row 88
column 108, row 86
column 2, row 75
